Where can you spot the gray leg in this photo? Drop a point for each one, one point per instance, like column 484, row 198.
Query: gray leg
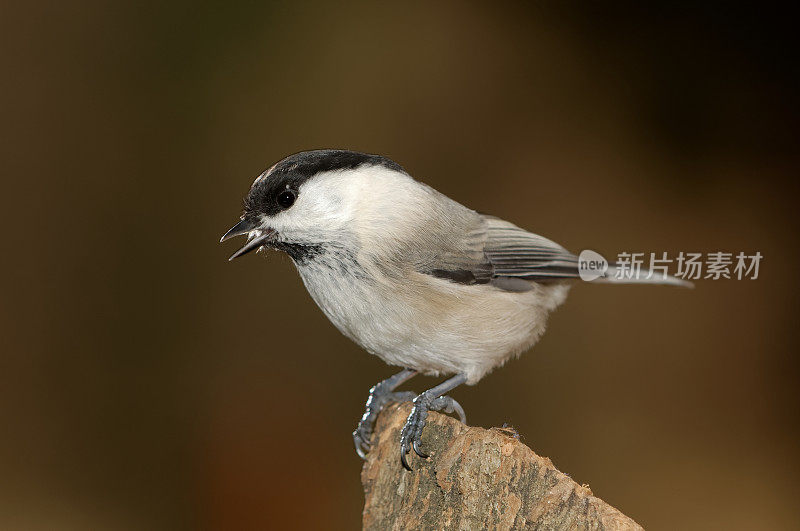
column 380, row 395
column 432, row 399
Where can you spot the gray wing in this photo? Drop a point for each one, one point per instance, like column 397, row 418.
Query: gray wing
column 500, row 253
column 517, row 253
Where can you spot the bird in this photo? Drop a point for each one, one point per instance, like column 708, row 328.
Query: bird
column 409, row 274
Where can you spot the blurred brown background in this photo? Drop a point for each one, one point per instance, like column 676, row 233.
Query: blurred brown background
column 147, row 383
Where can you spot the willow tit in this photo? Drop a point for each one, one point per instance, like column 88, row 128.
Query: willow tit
column 410, row 275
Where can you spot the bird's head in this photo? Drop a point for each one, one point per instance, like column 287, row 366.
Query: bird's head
column 315, row 198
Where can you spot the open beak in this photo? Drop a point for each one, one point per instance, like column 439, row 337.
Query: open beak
column 245, row 227
column 240, row 229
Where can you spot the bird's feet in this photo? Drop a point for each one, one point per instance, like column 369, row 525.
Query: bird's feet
column 380, row 395
column 411, row 434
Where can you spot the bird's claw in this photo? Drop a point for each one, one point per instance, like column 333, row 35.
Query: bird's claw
column 449, row 405
column 378, row 398
column 411, row 434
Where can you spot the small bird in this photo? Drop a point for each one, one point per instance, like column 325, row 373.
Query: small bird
column 409, row 274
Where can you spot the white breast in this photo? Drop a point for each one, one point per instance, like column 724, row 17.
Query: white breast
column 431, row 324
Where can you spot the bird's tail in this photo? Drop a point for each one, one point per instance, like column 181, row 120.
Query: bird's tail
column 593, row 267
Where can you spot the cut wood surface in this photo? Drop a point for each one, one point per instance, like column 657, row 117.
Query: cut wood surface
column 474, row 479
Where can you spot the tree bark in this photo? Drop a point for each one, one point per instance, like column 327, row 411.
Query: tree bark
column 473, row 479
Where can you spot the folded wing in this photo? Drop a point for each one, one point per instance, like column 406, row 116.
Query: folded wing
column 498, row 252
column 517, row 253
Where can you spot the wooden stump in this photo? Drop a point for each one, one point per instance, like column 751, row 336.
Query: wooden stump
column 474, row 479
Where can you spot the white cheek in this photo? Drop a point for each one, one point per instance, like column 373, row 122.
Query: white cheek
column 363, row 201
column 319, row 208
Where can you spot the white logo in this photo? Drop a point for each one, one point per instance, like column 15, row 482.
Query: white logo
column 591, row 265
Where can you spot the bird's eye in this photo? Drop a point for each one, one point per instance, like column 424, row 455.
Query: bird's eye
column 286, row 198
